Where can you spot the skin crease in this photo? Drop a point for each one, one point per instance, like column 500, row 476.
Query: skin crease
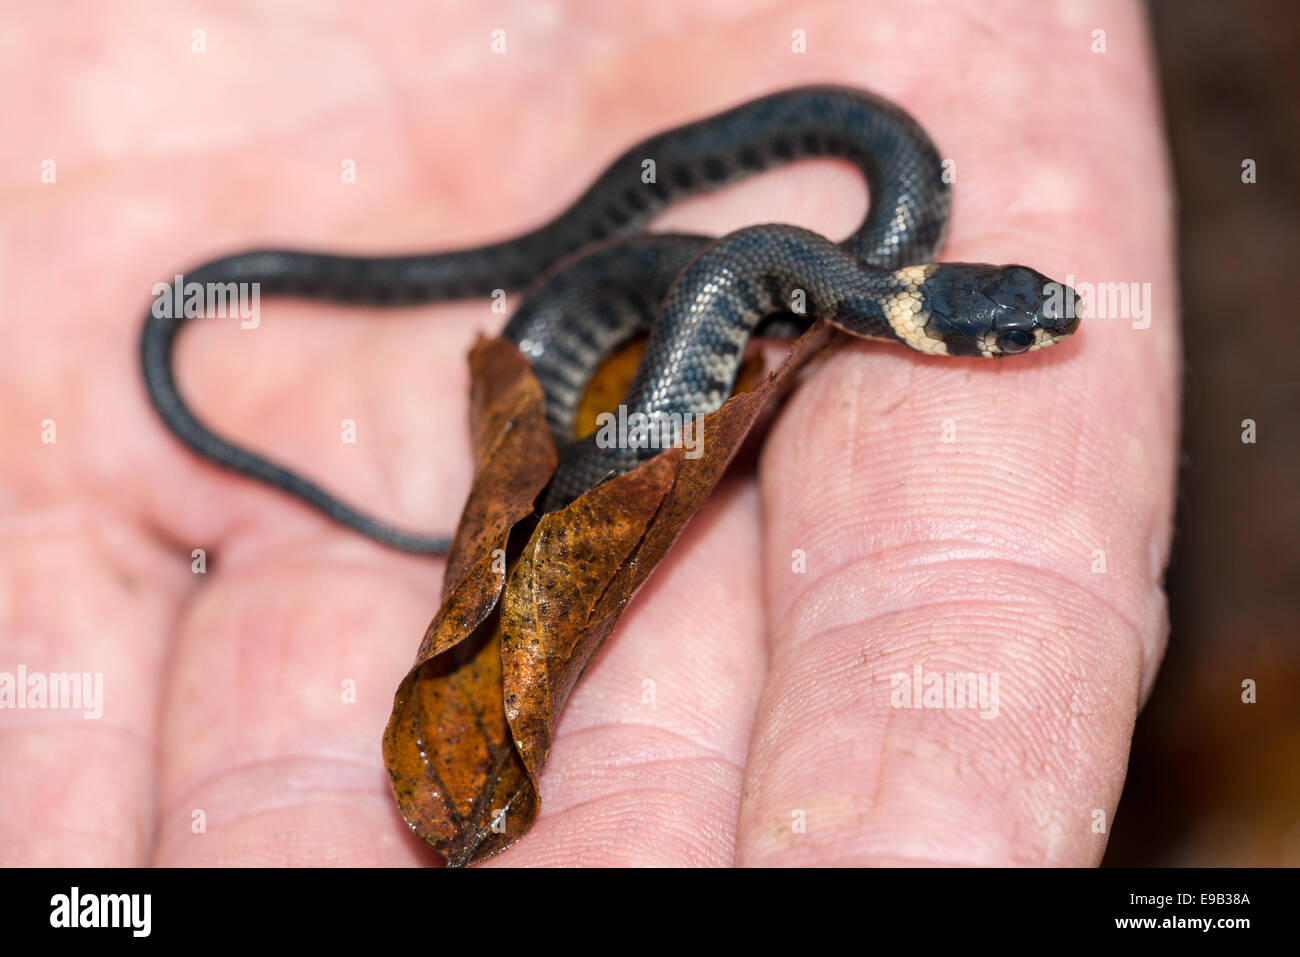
column 770, row 689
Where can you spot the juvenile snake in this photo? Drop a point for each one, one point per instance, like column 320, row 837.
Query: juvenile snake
column 596, row 282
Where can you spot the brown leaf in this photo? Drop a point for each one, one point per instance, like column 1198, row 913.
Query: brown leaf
column 583, row 564
column 472, row 722
column 455, row 771
column 448, row 749
column 566, row 566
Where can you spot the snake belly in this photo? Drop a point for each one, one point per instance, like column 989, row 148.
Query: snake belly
column 597, row 281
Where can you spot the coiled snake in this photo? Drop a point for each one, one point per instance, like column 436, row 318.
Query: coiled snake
column 597, row 282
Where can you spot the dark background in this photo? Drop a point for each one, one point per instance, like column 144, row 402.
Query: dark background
column 1213, row 781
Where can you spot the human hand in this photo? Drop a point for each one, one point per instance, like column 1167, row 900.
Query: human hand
column 948, row 512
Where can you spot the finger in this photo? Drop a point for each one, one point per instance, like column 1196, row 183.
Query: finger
column 83, row 628
column 282, row 678
column 1007, row 523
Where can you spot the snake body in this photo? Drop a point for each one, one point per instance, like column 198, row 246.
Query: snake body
column 596, row 281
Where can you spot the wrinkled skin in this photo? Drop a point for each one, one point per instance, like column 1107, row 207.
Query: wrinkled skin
column 737, row 697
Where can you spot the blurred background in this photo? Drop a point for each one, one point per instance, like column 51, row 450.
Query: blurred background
column 1213, row 781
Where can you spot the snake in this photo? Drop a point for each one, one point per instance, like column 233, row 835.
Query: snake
column 594, row 280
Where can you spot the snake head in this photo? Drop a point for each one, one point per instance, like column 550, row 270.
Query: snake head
column 974, row 309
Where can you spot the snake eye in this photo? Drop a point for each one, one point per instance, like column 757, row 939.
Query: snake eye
column 1016, row 340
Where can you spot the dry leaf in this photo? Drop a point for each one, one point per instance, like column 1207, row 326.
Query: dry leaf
column 472, row 721
column 447, row 746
